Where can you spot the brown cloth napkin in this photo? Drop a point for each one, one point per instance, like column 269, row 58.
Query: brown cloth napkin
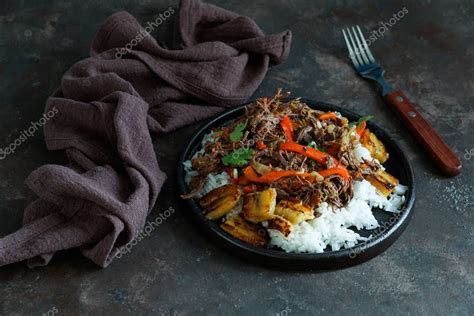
column 105, row 109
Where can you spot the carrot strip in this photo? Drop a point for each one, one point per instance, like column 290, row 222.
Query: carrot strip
column 309, row 152
column 361, row 128
column 287, row 127
column 260, row 145
column 249, row 173
column 319, row 156
column 328, row 116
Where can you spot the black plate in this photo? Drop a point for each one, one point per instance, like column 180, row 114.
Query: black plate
column 392, row 225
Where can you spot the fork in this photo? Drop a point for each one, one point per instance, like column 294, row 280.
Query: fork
column 423, row 132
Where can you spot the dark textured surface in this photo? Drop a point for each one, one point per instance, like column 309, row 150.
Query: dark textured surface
column 429, row 270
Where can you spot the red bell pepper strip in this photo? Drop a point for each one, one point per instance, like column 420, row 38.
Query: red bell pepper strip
column 341, row 171
column 272, row 176
column 328, row 116
column 260, row 145
column 249, row 173
column 242, row 180
column 361, row 128
column 248, row 189
column 309, row 152
column 287, row 127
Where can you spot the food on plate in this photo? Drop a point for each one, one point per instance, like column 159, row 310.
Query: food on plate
column 280, row 224
column 295, row 212
column 377, row 149
column 220, row 201
column 259, row 206
column 241, row 229
column 287, row 176
column 384, row 182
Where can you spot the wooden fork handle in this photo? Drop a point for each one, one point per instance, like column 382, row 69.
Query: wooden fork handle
column 424, row 133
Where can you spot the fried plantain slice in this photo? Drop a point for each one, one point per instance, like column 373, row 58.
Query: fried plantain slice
column 220, row 201
column 383, row 181
column 259, row 206
column 377, row 149
column 281, row 224
column 294, row 212
column 251, row 233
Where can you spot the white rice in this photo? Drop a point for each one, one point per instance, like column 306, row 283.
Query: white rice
column 234, row 211
column 213, row 180
column 361, row 153
column 333, row 226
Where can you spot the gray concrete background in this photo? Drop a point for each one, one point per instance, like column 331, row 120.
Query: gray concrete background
column 176, row 271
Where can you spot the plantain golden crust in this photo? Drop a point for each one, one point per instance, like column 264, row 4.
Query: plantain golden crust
column 383, row 181
column 294, row 212
column 220, row 201
column 377, row 149
column 259, row 206
column 253, row 234
column 281, row 224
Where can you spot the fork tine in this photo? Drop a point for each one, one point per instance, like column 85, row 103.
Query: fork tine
column 357, row 51
column 351, row 52
column 366, row 47
column 360, row 47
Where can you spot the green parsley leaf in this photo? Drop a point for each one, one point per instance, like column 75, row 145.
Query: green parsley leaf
column 321, row 149
column 237, row 133
column 238, row 158
column 313, row 144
